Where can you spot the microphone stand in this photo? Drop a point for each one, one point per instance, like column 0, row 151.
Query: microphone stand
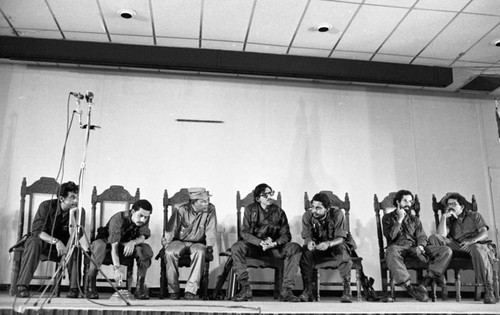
column 74, row 242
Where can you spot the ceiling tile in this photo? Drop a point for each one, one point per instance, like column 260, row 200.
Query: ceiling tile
column 89, row 37
column 309, row 52
column 485, row 50
column 493, row 69
column 29, row 14
column 139, row 24
column 484, row 7
column 459, row 36
column 476, row 67
column 416, row 31
column 133, row 40
column 177, row 42
column 335, row 15
column 392, row 58
column 226, row 19
column 432, row 62
column 392, row 3
column 39, row 33
column 366, row 32
column 177, row 18
column 355, row 55
column 3, row 21
column 7, row 31
column 447, row 5
column 272, row 24
column 223, row 45
column 79, row 16
column 268, row 49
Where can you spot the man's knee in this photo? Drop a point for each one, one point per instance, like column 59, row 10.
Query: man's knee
column 238, row 248
column 144, row 251
column 98, row 246
column 292, row 248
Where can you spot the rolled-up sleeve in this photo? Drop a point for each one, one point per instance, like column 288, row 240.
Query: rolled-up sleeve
column 339, row 224
column 115, row 229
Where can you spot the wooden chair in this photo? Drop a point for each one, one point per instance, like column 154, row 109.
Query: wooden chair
column 178, row 199
column 44, row 186
column 411, row 263
column 113, row 195
column 460, row 260
column 329, row 263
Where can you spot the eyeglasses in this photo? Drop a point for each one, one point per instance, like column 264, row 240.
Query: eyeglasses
column 452, row 204
column 267, row 194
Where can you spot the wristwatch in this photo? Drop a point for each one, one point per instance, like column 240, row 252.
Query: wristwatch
column 116, row 267
column 54, row 241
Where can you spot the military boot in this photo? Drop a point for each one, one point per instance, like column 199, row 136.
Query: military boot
column 141, row 292
column 306, row 295
column 489, row 296
column 91, row 290
column 346, row 296
column 245, row 293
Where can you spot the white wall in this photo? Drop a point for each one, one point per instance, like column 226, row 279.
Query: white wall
column 294, row 136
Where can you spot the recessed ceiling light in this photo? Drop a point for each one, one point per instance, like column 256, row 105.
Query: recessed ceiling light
column 323, row 28
column 127, row 13
column 496, row 42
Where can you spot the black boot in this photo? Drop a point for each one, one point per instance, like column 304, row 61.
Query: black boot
column 489, row 296
column 245, row 293
column 288, row 296
column 346, row 296
column 141, row 292
column 306, row 295
column 91, row 291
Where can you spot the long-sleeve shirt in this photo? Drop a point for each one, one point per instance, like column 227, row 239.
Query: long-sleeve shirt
column 120, row 229
column 259, row 224
column 466, row 226
column 328, row 228
column 409, row 232
column 187, row 225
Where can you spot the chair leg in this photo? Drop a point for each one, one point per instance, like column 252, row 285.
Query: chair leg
column 232, row 285
column 316, row 281
column 130, row 274
column 393, row 289
column 204, row 285
column 495, row 282
column 458, row 286
column 163, row 278
column 16, row 265
column 358, row 285
column 477, row 290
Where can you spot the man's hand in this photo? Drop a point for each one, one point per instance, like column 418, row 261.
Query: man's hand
column 267, row 244
column 323, row 246
column 450, row 213
column 61, row 249
column 465, row 245
column 401, row 214
column 128, row 248
column 311, row 246
column 118, row 276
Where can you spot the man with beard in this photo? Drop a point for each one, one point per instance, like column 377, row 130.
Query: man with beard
column 265, row 231
column 49, row 236
column 406, row 237
column 466, row 231
column 191, row 229
column 325, row 235
column 123, row 237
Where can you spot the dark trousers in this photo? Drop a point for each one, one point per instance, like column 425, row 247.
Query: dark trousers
column 340, row 253
column 34, row 249
column 290, row 251
column 101, row 253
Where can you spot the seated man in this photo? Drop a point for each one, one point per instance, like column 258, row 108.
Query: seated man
column 466, row 231
column 49, row 236
column 123, row 236
column 325, row 235
column 191, row 229
column 406, row 237
column 265, row 231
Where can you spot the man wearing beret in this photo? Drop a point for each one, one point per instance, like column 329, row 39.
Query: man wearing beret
column 191, row 229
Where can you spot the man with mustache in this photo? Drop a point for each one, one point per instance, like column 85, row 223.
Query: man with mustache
column 49, row 236
column 123, row 236
column 406, row 237
column 265, row 231
column 325, row 235
column 466, row 231
column 191, row 229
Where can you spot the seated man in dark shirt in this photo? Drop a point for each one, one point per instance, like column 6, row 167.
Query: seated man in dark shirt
column 123, row 236
column 49, row 236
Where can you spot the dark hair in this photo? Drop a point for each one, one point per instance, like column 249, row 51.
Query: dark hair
column 461, row 199
column 323, row 198
column 259, row 189
column 144, row 204
column 399, row 195
column 68, row 187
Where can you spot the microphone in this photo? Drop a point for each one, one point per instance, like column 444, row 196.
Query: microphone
column 77, row 95
column 89, row 97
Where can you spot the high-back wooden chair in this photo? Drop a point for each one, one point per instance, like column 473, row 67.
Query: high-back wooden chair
column 460, row 260
column 49, row 188
column 330, row 263
column 178, row 199
column 115, row 197
column 387, row 206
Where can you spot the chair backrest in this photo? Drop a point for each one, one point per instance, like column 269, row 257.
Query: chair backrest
column 43, row 186
column 335, row 202
column 114, row 194
column 245, row 202
column 387, row 204
column 439, row 207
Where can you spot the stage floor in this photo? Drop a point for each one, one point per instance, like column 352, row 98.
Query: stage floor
column 260, row 305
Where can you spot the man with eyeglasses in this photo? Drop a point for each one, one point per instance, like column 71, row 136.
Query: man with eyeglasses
column 191, row 229
column 265, row 231
column 325, row 235
column 466, row 231
column 406, row 238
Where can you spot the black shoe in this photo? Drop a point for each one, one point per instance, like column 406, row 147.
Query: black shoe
column 73, row 293
column 22, row 291
column 189, row 296
column 489, row 296
column 306, row 296
column 346, row 298
column 287, row 296
column 175, row 296
column 418, row 292
column 245, row 294
column 92, row 295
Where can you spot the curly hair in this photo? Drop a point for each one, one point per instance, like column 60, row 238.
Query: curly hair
column 399, row 196
column 323, row 198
